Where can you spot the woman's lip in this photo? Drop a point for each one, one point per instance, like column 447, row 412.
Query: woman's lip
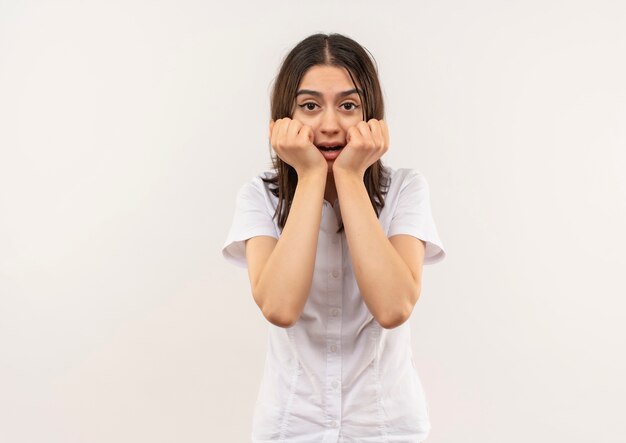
column 330, row 155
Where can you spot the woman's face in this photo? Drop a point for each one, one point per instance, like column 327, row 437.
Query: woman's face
column 328, row 102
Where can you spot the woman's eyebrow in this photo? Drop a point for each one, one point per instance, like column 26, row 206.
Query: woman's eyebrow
column 319, row 94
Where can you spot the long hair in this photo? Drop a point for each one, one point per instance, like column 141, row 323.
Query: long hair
column 334, row 50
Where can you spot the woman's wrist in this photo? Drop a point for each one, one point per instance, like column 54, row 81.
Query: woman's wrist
column 315, row 174
column 343, row 174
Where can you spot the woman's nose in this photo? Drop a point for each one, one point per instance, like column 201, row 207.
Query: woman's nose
column 330, row 122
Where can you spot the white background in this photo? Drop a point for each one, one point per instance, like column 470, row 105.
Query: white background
column 127, row 127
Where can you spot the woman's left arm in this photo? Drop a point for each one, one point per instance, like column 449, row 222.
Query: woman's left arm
column 388, row 271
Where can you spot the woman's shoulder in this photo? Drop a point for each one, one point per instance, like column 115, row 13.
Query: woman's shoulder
column 400, row 176
column 259, row 186
column 260, row 180
column 268, row 173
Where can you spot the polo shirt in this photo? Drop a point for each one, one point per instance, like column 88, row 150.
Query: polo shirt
column 336, row 375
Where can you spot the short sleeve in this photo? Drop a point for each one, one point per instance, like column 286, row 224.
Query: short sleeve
column 413, row 216
column 253, row 216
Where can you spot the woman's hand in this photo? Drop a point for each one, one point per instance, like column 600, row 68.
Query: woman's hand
column 366, row 143
column 293, row 143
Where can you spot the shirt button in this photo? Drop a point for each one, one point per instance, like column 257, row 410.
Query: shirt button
column 335, row 241
column 333, row 424
column 333, row 348
column 334, row 312
column 335, row 384
column 335, row 273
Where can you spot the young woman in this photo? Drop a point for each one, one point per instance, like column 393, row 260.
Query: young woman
column 334, row 243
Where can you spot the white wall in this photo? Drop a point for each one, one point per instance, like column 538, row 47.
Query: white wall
column 127, row 127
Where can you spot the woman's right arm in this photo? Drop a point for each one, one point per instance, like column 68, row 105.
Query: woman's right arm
column 281, row 271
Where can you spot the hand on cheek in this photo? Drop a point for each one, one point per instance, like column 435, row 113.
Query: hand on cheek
column 366, row 143
column 293, row 143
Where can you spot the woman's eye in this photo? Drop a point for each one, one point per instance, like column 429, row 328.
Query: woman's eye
column 351, row 106
column 308, row 106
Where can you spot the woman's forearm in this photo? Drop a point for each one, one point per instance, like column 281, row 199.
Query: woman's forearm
column 384, row 279
column 285, row 282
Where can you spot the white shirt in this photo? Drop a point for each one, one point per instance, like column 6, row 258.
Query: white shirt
column 336, row 375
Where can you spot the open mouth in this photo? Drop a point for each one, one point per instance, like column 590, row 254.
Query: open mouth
column 329, row 148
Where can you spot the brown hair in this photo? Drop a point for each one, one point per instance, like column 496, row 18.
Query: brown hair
column 334, row 50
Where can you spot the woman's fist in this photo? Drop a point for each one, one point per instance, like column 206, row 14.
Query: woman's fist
column 293, row 143
column 366, row 143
